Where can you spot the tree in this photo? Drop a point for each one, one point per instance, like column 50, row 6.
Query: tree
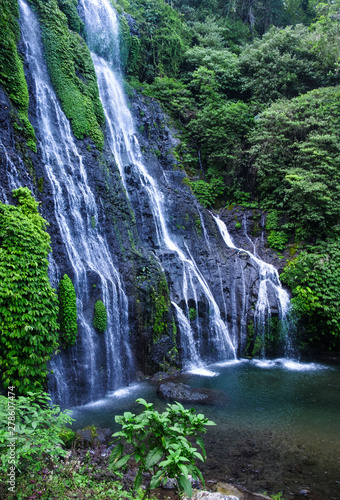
column 285, row 63
column 296, row 146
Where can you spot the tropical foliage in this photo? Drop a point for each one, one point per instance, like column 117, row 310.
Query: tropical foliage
column 158, row 443
column 100, row 316
column 28, row 304
column 68, row 312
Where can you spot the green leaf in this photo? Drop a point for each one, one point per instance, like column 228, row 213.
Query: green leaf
column 184, row 484
column 153, row 457
column 138, row 479
column 121, row 462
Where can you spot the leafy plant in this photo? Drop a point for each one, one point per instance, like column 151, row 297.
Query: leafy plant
column 314, row 277
column 160, row 445
column 192, row 314
column 38, row 425
column 68, row 312
column 100, row 316
column 28, row 303
column 277, row 240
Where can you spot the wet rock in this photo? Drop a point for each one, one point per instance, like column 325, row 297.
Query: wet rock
column 85, row 435
column 207, row 495
column 94, row 436
column 240, row 491
column 184, row 393
column 104, row 435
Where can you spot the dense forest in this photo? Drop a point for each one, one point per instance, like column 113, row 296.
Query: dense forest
column 252, row 88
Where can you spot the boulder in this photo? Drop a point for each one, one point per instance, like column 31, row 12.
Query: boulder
column 184, row 393
column 240, row 491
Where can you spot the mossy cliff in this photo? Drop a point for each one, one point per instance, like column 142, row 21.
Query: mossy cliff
column 12, row 77
column 71, row 68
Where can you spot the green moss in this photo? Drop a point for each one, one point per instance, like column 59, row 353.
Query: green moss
column 68, row 312
column 198, row 226
column 12, row 76
column 69, row 8
column 100, row 316
column 192, row 314
column 161, row 305
column 71, row 70
column 40, row 184
column 129, row 48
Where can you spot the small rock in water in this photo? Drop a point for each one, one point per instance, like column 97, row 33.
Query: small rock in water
column 304, row 492
column 207, row 495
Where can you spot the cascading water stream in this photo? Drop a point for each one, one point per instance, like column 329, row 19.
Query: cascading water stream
column 269, row 283
column 87, row 250
column 103, row 40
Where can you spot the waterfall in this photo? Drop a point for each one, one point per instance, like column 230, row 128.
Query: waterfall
column 79, row 372
column 270, row 285
column 102, row 30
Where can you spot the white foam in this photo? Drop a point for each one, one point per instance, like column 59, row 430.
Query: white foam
column 124, row 391
column 202, row 371
column 290, row 364
column 264, row 363
column 231, row 362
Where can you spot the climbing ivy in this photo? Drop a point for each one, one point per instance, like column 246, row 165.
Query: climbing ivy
column 12, row 76
column 100, row 316
column 71, row 69
column 68, row 312
column 28, row 304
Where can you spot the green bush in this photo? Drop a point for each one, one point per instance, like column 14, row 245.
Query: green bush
column 28, row 304
column 206, row 192
column 159, row 444
column 100, row 316
column 314, row 277
column 68, row 312
column 277, row 240
column 38, row 425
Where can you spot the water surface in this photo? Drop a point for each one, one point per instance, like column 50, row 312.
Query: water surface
column 278, row 424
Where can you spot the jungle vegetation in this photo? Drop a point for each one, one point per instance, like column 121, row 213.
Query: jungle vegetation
column 253, row 88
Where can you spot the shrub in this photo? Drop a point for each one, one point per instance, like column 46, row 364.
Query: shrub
column 314, row 277
column 38, row 425
column 160, row 445
column 100, row 316
column 28, row 303
column 68, row 312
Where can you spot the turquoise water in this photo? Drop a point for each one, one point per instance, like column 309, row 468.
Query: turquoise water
column 278, row 424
